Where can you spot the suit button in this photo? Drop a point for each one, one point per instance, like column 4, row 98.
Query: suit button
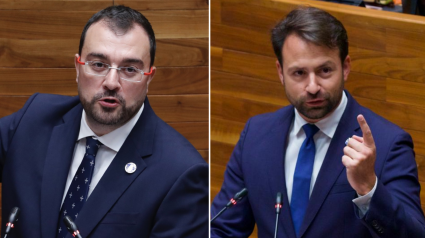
column 374, row 223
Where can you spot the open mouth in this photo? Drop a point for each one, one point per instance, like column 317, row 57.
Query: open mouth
column 109, row 102
column 315, row 102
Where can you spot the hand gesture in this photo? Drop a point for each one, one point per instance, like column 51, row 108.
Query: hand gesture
column 359, row 159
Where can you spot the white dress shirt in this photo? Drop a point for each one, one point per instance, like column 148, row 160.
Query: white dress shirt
column 112, row 143
column 322, row 140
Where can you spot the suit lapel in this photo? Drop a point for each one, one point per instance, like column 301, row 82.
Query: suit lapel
column 116, row 180
column 56, row 168
column 325, row 180
column 277, row 182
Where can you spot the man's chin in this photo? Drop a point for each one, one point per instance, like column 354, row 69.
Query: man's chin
column 108, row 109
column 106, row 116
column 314, row 113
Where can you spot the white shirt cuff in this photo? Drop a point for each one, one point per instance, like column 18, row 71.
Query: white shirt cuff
column 363, row 202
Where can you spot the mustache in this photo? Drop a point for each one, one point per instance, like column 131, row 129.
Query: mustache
column 113, row 94
column 318, row 95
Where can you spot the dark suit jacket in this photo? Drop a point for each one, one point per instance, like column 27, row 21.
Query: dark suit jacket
column 167, row 196
column 257, row 163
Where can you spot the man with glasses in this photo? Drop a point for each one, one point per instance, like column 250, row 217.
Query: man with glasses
column 104, row 158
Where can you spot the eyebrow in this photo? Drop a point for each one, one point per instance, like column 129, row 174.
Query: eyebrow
column 295, row 68
column 131, row 60
column 326, row 64
column 329, row 62
column 126, row 60
column 98, row 55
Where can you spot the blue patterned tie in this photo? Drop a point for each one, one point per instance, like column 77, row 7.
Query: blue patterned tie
column 302, row 177
column 79, row 189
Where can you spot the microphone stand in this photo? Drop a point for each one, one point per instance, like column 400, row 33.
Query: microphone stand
column 275, row 229
column 278, row 206
column 241, row 194
column 219, row 213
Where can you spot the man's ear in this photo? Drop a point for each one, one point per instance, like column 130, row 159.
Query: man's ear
column 280, row 72
column 77, row 68
column 346, row 67
column 150, row 77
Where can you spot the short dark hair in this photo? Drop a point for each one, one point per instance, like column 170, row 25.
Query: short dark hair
column 313, row 25
column 120, row 19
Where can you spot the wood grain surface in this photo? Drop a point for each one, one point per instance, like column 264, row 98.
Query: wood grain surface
column 387, row 75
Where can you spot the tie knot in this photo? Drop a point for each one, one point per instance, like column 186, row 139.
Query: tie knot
column 92, row 145
column 310, row 130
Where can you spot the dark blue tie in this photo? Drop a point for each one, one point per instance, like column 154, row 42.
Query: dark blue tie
column 302, row 177
column 79, row 189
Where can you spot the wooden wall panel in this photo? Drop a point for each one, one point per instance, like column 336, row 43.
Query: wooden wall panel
column 217, row 58
column 186, row 108
column 230, row 37
column 404, row 42
column 30, row 24
column 39, row 38
column 219, row 151
column 215, row 11
column 248, row 87
column 84, row 5
column 141, row 5
column 387, row 73
column 249, row 64
column 195, row 132
column 55, row 5
column 225, row 131
column 182, row 52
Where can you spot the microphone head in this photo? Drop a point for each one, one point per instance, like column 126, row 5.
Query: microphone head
column 278, row 205
column 279, row 198
column 241, row 194
column 12, row 218
column 70, row 225
column 238, row 196
column 14, row 215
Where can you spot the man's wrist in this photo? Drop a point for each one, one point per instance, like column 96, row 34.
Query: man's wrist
column 368, row 187
column 363, row 202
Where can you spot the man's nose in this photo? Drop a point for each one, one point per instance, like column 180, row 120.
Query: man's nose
column 112, row 79
column 313, row 85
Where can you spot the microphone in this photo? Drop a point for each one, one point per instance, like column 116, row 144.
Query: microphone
column 72, row 227
column 239, row 196
column 278, row 207
column 13, row 217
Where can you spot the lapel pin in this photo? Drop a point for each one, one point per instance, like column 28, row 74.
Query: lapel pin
column 346, row 142
column 130, row 168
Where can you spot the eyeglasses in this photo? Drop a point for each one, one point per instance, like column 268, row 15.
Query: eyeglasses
column 98, row 68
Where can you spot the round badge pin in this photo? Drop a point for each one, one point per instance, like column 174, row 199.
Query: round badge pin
column 346, row 142
column 130, row 168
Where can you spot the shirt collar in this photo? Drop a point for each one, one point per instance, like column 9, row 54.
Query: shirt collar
column 114, row 139
column 327, row 125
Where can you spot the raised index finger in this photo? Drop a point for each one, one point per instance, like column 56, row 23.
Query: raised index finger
column 367, row 134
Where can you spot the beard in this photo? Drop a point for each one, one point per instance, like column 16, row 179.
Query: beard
column 331, row 102
column 109, row 116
